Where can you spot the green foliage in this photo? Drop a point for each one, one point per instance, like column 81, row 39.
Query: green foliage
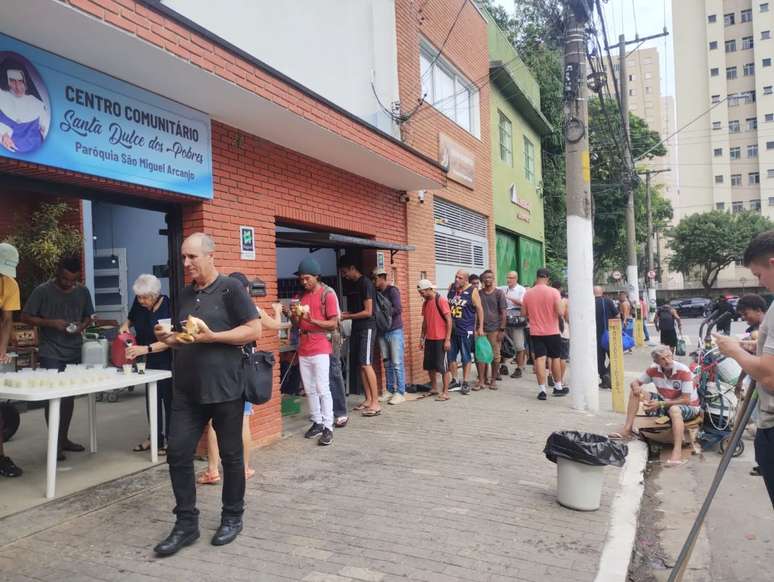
column 42, row 243
column 704, row 244
column 608, row 172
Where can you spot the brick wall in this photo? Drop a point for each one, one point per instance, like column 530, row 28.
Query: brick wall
column 467, row 50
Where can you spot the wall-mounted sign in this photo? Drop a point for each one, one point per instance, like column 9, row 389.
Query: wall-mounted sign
column 247, row 243
column 525, row 216
column 380, row 260
column 56, row 112
column 523, row 204
column 460, row 163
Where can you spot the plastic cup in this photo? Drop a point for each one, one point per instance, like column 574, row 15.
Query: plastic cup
column 127, row 369
column 140, row 367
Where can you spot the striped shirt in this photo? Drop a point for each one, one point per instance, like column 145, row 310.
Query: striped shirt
column 671, row 386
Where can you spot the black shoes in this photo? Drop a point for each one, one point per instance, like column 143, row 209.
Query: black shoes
column 465, row 390
column 8, row 468
column 178, row 539
column 516, row 373
column 551, row 381
column 326, row 437
column 563, row 392
column 227, row 532
column 72, row 447
column 541, row 395
column 313, row 431
column 756, row 471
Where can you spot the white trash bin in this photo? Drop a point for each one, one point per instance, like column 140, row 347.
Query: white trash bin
column 579, row 486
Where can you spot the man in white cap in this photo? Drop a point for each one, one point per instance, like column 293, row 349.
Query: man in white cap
column 9, row 302
column 436, row 337
column 24, row 118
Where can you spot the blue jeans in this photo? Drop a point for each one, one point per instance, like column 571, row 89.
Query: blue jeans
column 391, row 346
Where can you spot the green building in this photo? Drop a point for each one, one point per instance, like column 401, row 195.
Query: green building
column 517, row 126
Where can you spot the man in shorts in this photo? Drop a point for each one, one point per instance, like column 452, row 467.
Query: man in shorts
column 435, row 340
column 543, row 306
column 515, row 328
column 675, row 397
column 468, row 316
column 493, row 304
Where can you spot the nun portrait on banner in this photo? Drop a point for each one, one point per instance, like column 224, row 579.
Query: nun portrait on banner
column 24, row 117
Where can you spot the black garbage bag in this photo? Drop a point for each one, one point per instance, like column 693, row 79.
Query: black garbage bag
column 586, row 448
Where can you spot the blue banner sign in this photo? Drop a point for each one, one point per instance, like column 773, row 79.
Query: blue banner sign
column 56, row 112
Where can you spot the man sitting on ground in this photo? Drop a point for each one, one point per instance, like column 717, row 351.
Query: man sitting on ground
column 676, row 397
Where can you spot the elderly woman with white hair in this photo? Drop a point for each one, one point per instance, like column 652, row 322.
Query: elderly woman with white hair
column 148, row 308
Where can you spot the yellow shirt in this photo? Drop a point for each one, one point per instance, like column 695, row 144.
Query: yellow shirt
column 9, row 294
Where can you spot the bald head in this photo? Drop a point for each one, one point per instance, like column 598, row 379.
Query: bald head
column 198, row 260
column 461, row 279
column 598, row 291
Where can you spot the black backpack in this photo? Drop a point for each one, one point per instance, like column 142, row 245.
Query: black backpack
column 383, row 313
column 666, row 321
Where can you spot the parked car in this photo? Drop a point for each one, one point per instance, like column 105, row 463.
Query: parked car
column 693, row 307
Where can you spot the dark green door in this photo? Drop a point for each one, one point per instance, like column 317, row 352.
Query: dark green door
column 530, row 260
column 507, row 256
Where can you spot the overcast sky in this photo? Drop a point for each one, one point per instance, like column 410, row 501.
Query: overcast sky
column 645, row 17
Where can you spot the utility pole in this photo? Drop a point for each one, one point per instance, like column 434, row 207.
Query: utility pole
column 631, row 239
column 651, row 283
column 580, row 250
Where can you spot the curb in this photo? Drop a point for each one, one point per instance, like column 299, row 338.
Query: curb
column 625, row 509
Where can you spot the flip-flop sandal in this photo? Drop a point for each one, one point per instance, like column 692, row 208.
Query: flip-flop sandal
column 360, row 407
column 477, row 388
column 441, row 398
column 206, row 478
column 341, row 422
column 671, row 463
column 141, row 448
column 370, row 413
column 428, row 395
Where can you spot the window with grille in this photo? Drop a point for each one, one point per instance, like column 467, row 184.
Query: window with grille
column 749, row 69
column 753, row 178
column 714, row 72
column 768, row 89
column 734, row 153
column 746, row 15
column 771, row 200
column 770, row 173
column 747, row 42
column 733, row 126
column 731, row 46
column 728, row 19
column 767, row 62
column 764, row 7
column 765, row 34
column 716, row 98
column 752, row 123
column 752, row 150
column 529, row 160
column 506, row 138
column 713, row 45
column 720, row 205
column 755, row 204
column 717, row 152
column 712, row 18
column 737, row 207
column 719, row 179
column 736, row 179
column 730, row 72
column 769, row 117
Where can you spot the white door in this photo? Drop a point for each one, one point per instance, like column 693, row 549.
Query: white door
column 461, row 241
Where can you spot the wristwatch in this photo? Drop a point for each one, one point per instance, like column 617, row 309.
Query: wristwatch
column 150, row 348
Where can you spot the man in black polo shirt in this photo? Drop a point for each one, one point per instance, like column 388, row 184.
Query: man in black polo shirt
column 360, row 309
column 208, row 386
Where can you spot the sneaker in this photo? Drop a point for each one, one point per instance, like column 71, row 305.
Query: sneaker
column 8, row 468
column 563, row 392
column 386, row 396
column 541, row 396
column 454, row 383
column 756, row 472
column 326, row 437
column 465, row 389
column 516, row 373
column 397, row 399
column 313, row 431
column 550, row 381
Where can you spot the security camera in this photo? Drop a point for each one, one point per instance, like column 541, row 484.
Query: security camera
column 404, row 197
column 421, row 196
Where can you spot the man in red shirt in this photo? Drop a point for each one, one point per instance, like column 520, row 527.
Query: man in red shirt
column 436, row 336
column 316, row 317
column 542, row 305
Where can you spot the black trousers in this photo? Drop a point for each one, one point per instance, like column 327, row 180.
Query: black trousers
column 603, row 366
column 187, row 424
column 764, row 456
column 163, row 409
column 66, row 405
column 337, row 388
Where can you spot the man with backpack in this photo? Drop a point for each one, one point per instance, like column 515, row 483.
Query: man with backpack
column 435, row 340
column 316, row 316
column 389, row 329
column 361, row 304
column 665, row 320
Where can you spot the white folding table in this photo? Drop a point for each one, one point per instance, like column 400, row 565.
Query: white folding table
column 54, row 396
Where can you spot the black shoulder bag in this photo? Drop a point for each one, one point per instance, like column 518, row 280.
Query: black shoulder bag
column 258, row 375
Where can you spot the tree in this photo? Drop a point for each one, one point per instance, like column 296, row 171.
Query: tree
column 705, row 244
column 608, row 172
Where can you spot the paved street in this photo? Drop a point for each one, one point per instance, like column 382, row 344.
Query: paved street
column 428, row 491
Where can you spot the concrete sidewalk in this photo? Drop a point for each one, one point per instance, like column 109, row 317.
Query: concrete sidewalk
column 445, row 491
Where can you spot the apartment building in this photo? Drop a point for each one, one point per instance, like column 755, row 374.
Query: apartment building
column 725, row 77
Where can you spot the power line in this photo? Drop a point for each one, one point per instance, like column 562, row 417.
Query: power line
column 446, row 39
